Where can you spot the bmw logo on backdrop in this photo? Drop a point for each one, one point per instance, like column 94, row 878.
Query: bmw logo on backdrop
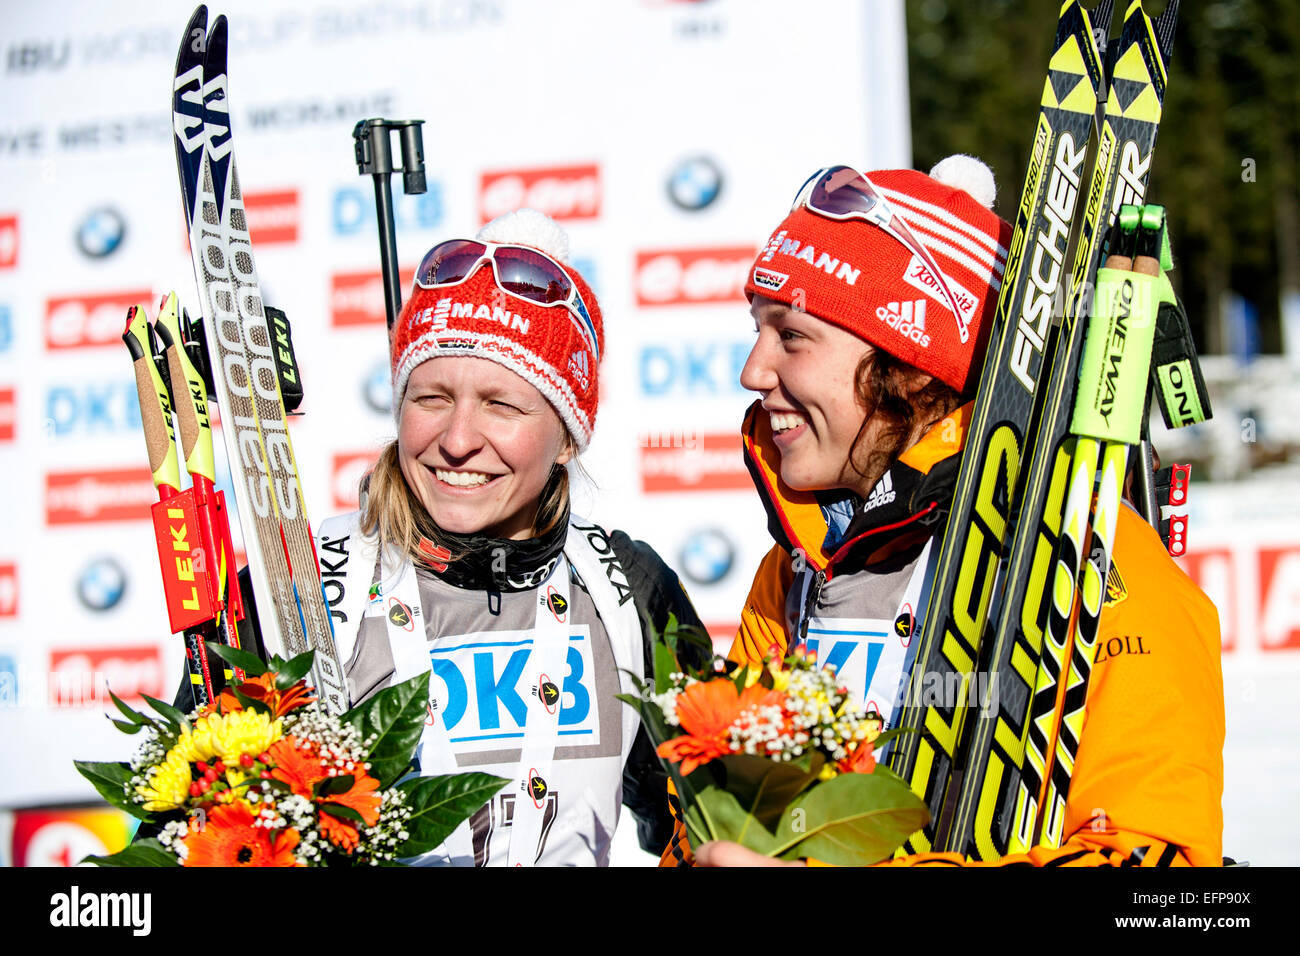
column 377, row 388
column 695, row 183
column 101, row 233
column 707, row 556
column 101, row 584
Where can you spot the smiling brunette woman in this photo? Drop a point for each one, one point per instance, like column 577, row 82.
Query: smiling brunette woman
column 465, row 559
column 872, row 302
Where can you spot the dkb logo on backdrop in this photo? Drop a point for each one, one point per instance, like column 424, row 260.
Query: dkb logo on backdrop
column 353, row 211
column 692, row 368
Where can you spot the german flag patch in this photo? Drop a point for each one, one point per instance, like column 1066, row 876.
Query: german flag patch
column 1115, row 588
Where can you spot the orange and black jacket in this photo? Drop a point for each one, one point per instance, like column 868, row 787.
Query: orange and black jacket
column 1148, row 777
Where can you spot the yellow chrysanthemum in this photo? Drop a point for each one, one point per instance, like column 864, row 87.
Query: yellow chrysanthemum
column 197, row 744
column 235, row 776
column 828, row 772
column 168, row 784
column 244, row 732
column 229, row 736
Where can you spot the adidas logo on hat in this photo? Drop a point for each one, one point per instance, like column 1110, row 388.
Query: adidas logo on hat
column 882, row 494
column 908, row 318
column 579, row 368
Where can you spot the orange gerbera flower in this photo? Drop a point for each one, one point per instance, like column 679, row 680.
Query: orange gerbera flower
column 706, row 711
column 862, row 759
column 230, row 839
column 361, row 797
column 299, row 767
column 262, row 688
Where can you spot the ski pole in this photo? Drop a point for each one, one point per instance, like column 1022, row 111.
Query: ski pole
column 374, row 154
column 1114, row 374
column 173, row 550
column 196, row 444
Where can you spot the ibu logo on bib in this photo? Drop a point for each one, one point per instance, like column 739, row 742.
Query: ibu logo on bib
column 865, row 659
column 482, row 685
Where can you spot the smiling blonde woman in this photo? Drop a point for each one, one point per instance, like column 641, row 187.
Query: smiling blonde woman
column 466, row 562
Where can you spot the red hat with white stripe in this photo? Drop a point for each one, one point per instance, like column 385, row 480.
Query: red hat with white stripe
column 911, row 263
column 459, row 308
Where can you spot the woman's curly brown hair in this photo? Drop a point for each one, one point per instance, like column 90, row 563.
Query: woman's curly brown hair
column 886, row 390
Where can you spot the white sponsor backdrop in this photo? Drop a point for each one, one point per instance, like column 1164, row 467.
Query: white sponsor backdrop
column 601, row 113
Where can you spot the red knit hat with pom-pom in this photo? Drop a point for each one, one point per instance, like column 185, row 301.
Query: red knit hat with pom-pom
column 856, row 275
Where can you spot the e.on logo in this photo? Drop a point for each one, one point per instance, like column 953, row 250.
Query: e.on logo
column 8, row 242
column 357, row 298
column 708, row 463
column 121, row 494
column 1256, row 589
column 81, row 321
column 562, row 192
column 692, row 276
column 8, row 590
column 8, row 414
column 78, row 676
column 272, row 216
column 348, row 470
column 1279, row 598
column 1214, row 571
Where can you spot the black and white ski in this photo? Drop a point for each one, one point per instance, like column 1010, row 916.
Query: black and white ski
column 291, row 610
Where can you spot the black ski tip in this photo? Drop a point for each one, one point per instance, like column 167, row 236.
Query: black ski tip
column 214, row 63
column 1164, row 28
column 195, row 41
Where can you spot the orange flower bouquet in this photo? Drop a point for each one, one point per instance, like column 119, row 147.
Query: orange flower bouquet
column 775, row 757
column 267, row 777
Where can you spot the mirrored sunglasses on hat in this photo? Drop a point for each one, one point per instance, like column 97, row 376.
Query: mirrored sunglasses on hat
column 520, row 271
column 843, row 193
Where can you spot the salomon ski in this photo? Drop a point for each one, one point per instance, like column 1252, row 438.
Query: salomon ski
column 292, row 615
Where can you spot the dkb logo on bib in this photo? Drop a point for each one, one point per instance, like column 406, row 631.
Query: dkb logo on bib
column 481, row 683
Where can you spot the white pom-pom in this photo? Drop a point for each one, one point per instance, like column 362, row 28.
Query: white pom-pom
column 969, row 173
column 528, row 227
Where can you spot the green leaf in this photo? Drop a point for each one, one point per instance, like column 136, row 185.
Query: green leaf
column 889, row 735
column 342, row 812
column 440, row 804
column 395, row 716
column 633, row 701
column 851, row 820
column 126, row 726
column 175, row 719
column 670, row 632
column 765, row 787
column 111, row 780
column 665, row 665
column 730, row 821
column 331, row 786
column 141, row 853
column 251, row 663
column 129, row 713
column 697, row 827
column 251, row 703
column 294, row 670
